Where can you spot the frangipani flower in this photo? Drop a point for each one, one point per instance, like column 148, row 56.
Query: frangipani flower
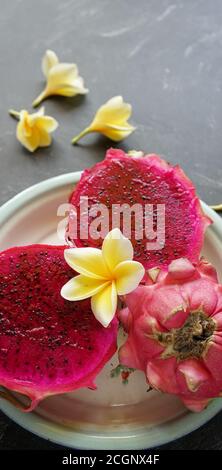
column 111, row 121
column 104, row 274
column 33, row 130
column 61, row 78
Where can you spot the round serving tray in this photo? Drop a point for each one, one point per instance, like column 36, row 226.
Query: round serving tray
column 115, row 416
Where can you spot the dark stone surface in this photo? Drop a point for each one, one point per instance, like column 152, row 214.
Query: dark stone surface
column 164, row 57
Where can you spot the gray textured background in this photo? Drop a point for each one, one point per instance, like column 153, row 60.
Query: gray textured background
column 164, row 57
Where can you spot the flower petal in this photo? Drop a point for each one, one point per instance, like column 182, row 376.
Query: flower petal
column 24, row 123
column 117, row 133
column 104, row 304
column 87, row 261
column 110, row 120
column 47, row 123
column 81, row 287
column 125, row 127
column 78, row 85
column 67, row 90
column 128, row 275
column 45, row 138
column 62, row 74
column 33, row 129
column 116, row 248
column 31, row 141
column 61, row 79
column 49, row 60
column 114, row 111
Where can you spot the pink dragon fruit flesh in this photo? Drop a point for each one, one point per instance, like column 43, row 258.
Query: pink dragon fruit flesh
column 174, row 326
column 47, row 345
column 124, row 179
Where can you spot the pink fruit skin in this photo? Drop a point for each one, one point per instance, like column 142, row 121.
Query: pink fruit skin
column 47, row 344
column 177, row 359
column 120, row 179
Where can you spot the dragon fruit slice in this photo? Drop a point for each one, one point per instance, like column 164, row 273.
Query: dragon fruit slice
column 175, row 332
column 47, row 344
column 121, row 179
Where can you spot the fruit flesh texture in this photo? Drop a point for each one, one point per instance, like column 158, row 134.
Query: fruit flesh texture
column 47, row 344
column 121, row 179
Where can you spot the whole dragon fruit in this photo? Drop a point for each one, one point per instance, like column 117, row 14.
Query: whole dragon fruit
column 174, row 326
column 47, row 344
column 149, row 180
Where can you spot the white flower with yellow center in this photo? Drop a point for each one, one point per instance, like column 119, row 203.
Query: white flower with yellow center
column 111, row 120
column 61, row 78
column 103, row 274
column 34, row 130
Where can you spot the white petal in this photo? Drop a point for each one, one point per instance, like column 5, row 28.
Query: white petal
column 81, row 287
column 116, row 133
column 49, row 60
column 87, row 261
column 128, row 275
column 123, row 128
column 78, row 85
column 70, row 90
column 104, row 304
column 61, row 75
column 114, row 111
column 116, row 248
